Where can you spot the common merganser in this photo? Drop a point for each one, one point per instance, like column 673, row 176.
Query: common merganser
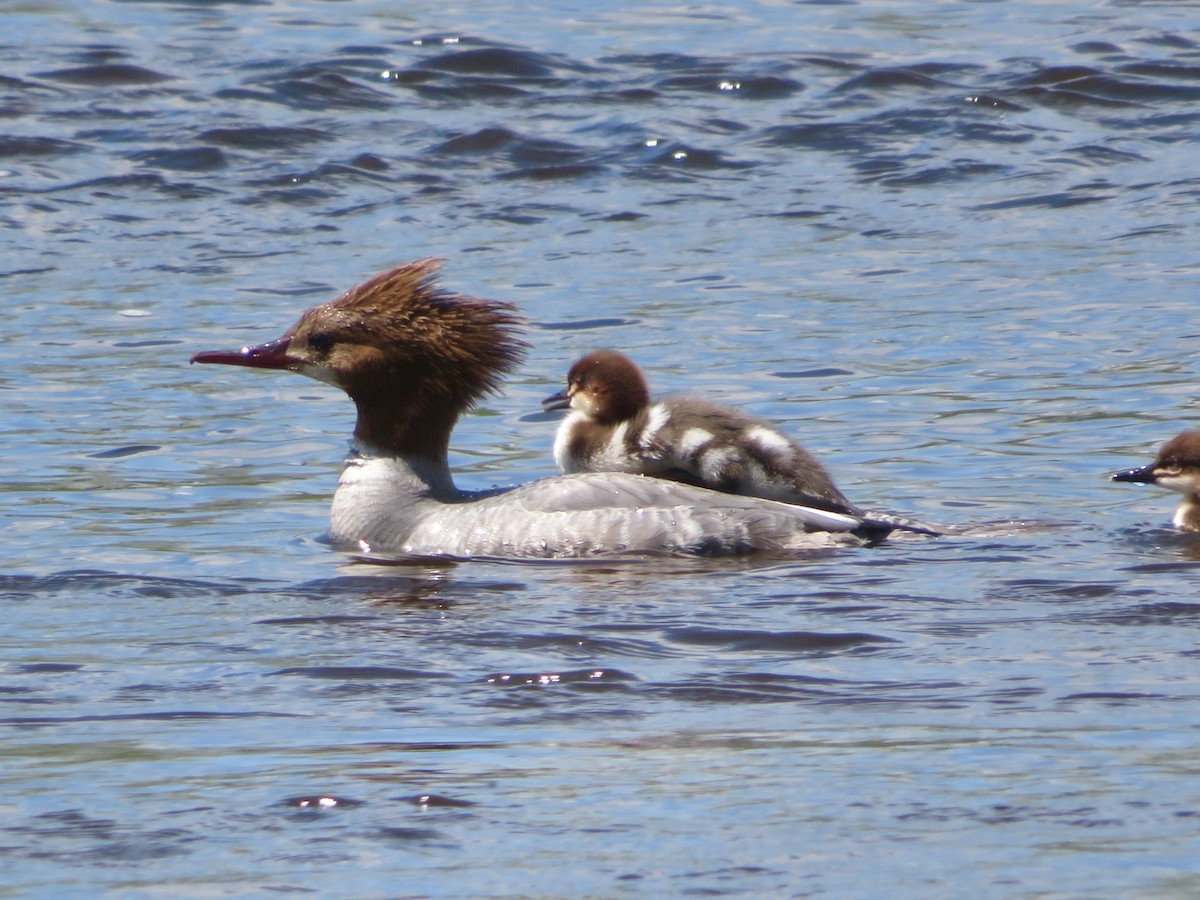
column 413, row 357
column 1177, row 467
column 613, row 426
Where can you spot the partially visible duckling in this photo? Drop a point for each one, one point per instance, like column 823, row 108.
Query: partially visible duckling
column 1177, row 467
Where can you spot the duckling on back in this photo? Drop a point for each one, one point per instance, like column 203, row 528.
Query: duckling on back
column 614, row 427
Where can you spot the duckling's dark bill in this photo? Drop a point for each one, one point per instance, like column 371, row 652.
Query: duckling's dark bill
column 1141, row 475
column 561, row 400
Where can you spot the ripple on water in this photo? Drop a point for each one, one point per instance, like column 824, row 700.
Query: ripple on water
column 85, row 581
column 108, row 75
column 185, row 159
column 35, row 147
column 312, row 87
column 745, row 641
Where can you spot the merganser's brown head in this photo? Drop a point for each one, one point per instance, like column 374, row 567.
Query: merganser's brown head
column 411, row 356
column 606, row 386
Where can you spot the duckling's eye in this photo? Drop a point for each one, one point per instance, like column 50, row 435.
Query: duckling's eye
column 321, row 342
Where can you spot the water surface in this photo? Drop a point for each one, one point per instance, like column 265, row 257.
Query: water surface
column 952, row 250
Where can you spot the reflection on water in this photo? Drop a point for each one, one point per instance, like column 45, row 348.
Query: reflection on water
column 947, row 251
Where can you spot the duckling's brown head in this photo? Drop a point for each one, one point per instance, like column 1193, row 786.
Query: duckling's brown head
column 606, row 386
column 1177, row 465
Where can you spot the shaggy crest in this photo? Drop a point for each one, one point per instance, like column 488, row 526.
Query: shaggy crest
column 402, row 319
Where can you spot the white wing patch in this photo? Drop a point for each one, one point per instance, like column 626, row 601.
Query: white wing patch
column 769, row 440
column 713, row 461
column 614, row 456
column 756, row 476
column 656, row 418
column 693, row 440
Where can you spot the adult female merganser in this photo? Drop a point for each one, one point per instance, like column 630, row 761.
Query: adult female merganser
column 1177, row 467
column 413, row 357
column 614, row 427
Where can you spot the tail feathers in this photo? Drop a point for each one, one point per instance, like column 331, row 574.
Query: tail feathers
column 873, row 522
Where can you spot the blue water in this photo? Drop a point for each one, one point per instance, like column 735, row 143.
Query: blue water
column 950, row 248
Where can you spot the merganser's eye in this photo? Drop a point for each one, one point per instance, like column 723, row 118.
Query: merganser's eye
column 320, row 342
